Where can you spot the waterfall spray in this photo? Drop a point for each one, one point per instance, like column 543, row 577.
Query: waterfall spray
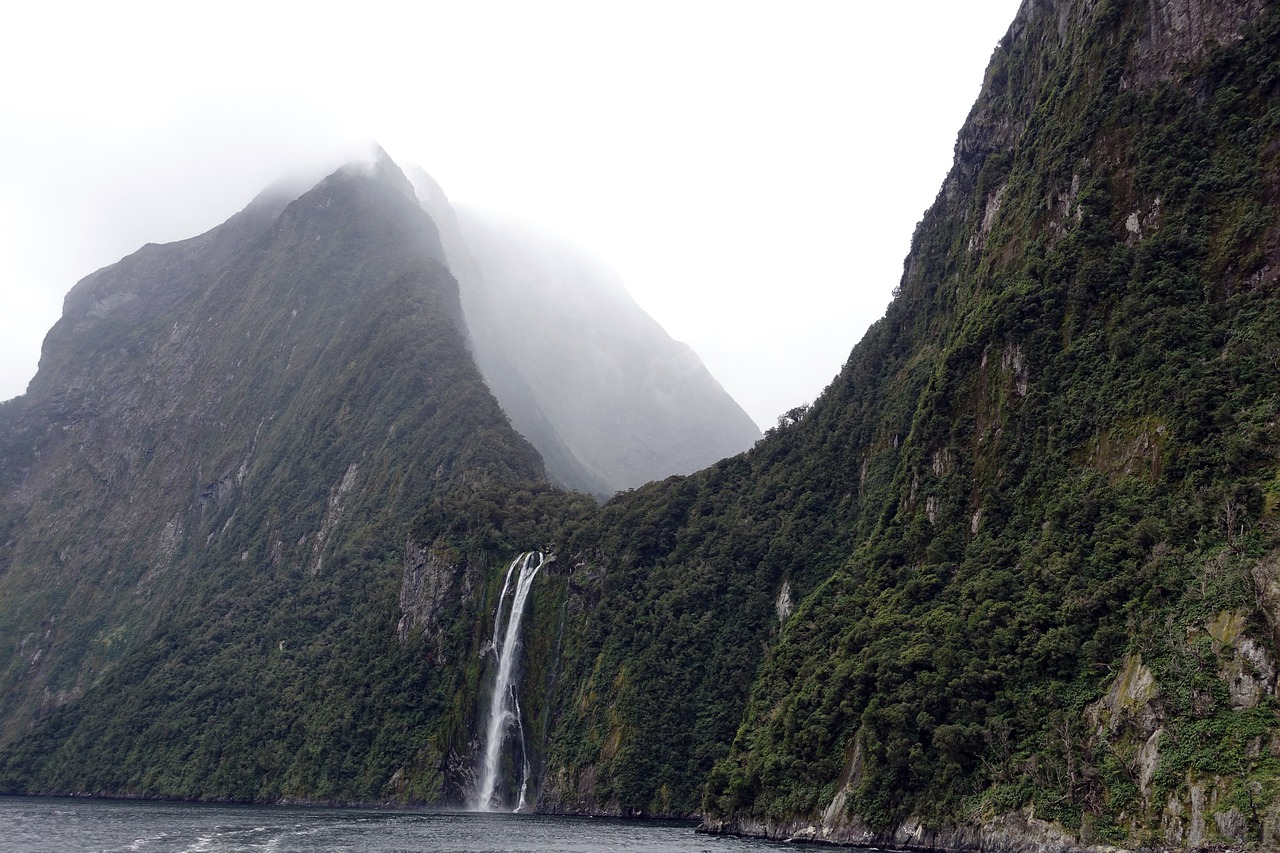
column 504, row 710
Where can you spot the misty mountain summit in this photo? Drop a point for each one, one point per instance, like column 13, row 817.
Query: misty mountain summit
column 314, row 344
column 591, row 380
column 607, row 398
column 272, row 403
column 598, row 387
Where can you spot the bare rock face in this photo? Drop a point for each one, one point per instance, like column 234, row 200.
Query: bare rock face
column 1178, row 33
column 1248, row 670
column 1015, row 833
column 1131, row 701
column 430, row 575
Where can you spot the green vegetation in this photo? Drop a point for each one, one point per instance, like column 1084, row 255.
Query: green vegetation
column 219, row 587
column 1020, row 557
column 1082, row 480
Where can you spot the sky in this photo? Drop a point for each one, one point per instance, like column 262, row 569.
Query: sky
column 753, row 171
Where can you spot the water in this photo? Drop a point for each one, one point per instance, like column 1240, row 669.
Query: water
column 35, row 825
column 504, row 709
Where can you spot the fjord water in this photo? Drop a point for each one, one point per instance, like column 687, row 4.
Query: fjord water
column 36, row 825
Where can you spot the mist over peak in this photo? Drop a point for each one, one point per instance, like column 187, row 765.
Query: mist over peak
column 610, row 400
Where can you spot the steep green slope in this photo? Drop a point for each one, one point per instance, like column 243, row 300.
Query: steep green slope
column 1012, row 582
column 206, row 563
column 1029, row 525
column 1065, row 610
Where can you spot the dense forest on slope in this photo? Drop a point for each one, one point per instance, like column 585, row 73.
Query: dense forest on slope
column 1029, row 527
column 1066, row 603
column 1012, row 580
column 225, row 445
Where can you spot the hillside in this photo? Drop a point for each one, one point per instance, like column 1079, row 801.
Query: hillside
column 1011, row 583
column 205, row 492
column 218, row 580
column 1014, row 573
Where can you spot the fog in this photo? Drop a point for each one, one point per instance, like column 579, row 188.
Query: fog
column 603, row 393
column 752, row 172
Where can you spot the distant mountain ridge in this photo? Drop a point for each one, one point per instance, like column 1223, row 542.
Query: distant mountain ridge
column 604, row 393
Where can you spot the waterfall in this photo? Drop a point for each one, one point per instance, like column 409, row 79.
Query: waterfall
column 504, row 710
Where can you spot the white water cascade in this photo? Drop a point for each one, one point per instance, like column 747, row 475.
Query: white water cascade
column 504, row 710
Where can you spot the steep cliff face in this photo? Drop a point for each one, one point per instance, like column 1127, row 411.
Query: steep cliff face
column 1009, row 583
column 68, row 513
column 256, row 504
column 1057, row 632
column 207, row 491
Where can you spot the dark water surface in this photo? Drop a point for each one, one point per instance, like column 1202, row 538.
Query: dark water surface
column 36, row 825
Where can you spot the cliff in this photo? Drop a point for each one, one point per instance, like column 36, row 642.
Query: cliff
column 206, row 496
column 231, row 501
column 1057, row 632
column 1011, row 583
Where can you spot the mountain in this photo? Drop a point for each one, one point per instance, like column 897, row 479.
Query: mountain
column 1011, row 583
column 208, row 482
column 1017, row 583
column 610, row 401
column 210, row 496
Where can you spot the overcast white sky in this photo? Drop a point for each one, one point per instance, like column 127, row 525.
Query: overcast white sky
column 753, row 171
